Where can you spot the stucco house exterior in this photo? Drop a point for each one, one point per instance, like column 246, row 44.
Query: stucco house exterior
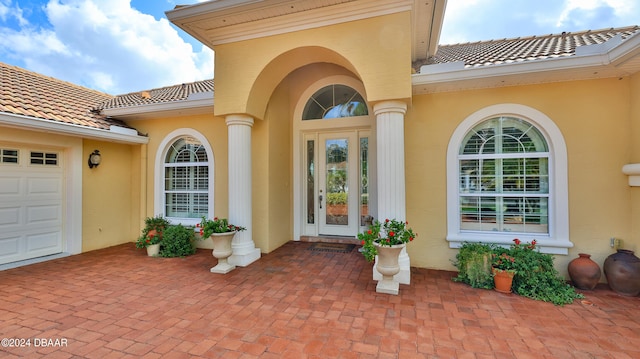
column 327, row 112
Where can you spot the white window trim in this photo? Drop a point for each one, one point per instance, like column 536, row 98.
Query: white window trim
column 163, row 148
column 557, row 241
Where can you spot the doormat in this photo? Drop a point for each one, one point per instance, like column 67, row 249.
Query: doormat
column 332, row 247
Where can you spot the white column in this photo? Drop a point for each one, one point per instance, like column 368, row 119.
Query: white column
column 240, row 200
column 390, row 173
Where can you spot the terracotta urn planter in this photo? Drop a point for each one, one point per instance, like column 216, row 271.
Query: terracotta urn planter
column 388, row 266
column 222, row 251
column 153, row 250
column 622, row 270
column 502, row 280
column 584, row 272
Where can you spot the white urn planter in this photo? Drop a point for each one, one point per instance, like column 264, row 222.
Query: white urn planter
column 222, row 251
column 388, row 266
column 153, row 250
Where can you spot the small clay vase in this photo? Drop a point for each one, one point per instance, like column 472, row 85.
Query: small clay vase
column 622, row 270
column 584, row 272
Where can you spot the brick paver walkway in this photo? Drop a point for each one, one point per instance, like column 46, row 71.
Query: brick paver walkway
column 292, row 303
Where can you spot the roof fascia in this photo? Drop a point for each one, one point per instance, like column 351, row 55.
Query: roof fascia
column 184, row 17
column 205, row 102
column 455, row 71
column 115, row 134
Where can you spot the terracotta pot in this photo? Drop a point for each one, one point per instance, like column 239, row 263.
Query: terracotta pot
column 388, row 266
column 622, row 270
column 222, row 250
column 502, row 280
column 584, row 272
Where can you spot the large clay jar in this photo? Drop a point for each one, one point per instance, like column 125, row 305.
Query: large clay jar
column 622, row 270
column 584, row 272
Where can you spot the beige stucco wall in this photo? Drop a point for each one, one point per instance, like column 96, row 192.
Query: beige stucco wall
column 634, row 134
column 215, row 131
column 245, row 82
column 109, row 215
column 594, row 118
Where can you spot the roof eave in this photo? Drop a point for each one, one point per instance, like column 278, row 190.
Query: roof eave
column 114, row 134
column 166, row 109
column 611, row 62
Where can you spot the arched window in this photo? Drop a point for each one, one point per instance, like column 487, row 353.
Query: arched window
column 334, row 101
column 185, row 178
column 503, row 177
column 506, row 176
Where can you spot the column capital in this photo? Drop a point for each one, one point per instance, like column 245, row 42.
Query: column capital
column 390, row 106
column 239, row 119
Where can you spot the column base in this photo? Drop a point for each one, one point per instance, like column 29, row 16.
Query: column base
column 246, row 258
column 223, row 268
column 388, row 287
column 404, row 276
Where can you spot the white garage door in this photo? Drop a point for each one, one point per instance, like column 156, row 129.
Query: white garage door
column 31, row 203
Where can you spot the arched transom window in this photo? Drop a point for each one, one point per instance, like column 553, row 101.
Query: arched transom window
column 186, row 179
column 503, row 174
column 335, row 101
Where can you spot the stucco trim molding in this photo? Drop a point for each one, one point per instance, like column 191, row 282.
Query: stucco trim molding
column 633, row 171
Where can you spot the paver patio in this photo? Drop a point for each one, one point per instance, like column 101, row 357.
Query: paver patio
column 292, row 303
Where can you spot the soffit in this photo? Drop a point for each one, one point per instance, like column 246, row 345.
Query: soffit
column 225, row 21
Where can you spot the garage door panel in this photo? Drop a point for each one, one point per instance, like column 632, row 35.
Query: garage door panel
column 9, row 248
column 44, row 214
column 40, row 188
column 44, row 243
column 9, row 218
column 9, row 188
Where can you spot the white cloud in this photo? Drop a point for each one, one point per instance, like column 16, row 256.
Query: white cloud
column 108, row 46
column 477, row 20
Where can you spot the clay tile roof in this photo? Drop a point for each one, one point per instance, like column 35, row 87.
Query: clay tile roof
column 33, row 95
column 160, row 95
column 503, row 51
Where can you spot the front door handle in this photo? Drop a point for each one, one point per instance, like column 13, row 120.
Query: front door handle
column 320, row 200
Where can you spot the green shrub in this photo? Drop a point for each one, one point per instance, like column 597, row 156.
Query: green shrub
column 474, row 265
column 536, row 277
column 177, row 242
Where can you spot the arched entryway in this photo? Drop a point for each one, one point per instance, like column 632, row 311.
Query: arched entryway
column 334, row 159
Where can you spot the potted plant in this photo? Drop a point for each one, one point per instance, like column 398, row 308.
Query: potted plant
column 503, row 268
column 221, row 232
column 152, row 234
column 386, row 240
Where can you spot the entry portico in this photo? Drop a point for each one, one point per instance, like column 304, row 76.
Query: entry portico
column 271, row 57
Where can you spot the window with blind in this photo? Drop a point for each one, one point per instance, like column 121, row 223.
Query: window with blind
column 507, row 178
column 503, row 176
column 186, row 179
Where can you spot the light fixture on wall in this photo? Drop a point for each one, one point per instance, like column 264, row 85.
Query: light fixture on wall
column 94, row 159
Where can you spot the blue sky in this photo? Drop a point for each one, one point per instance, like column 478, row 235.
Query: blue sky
column 120, row 46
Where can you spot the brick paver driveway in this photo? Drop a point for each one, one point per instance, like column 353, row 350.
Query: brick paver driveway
column 292, row 303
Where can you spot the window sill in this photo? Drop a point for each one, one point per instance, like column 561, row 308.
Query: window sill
column 546, row 244
column 633, row 171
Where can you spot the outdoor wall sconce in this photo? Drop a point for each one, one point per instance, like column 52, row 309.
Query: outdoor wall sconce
column 94, row 159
